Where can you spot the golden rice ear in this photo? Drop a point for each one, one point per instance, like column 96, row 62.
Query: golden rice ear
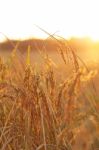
column 28, row 55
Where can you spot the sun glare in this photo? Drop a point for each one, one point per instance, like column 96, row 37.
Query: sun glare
column 71, row 18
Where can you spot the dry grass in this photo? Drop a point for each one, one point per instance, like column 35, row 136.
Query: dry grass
column 40, row 111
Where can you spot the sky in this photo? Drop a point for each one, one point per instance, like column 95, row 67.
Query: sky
column 69, row 18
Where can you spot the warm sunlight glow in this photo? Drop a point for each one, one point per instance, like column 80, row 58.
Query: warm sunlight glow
column 69, row 17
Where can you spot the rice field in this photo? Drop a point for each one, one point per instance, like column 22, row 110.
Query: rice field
column 48, row 101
